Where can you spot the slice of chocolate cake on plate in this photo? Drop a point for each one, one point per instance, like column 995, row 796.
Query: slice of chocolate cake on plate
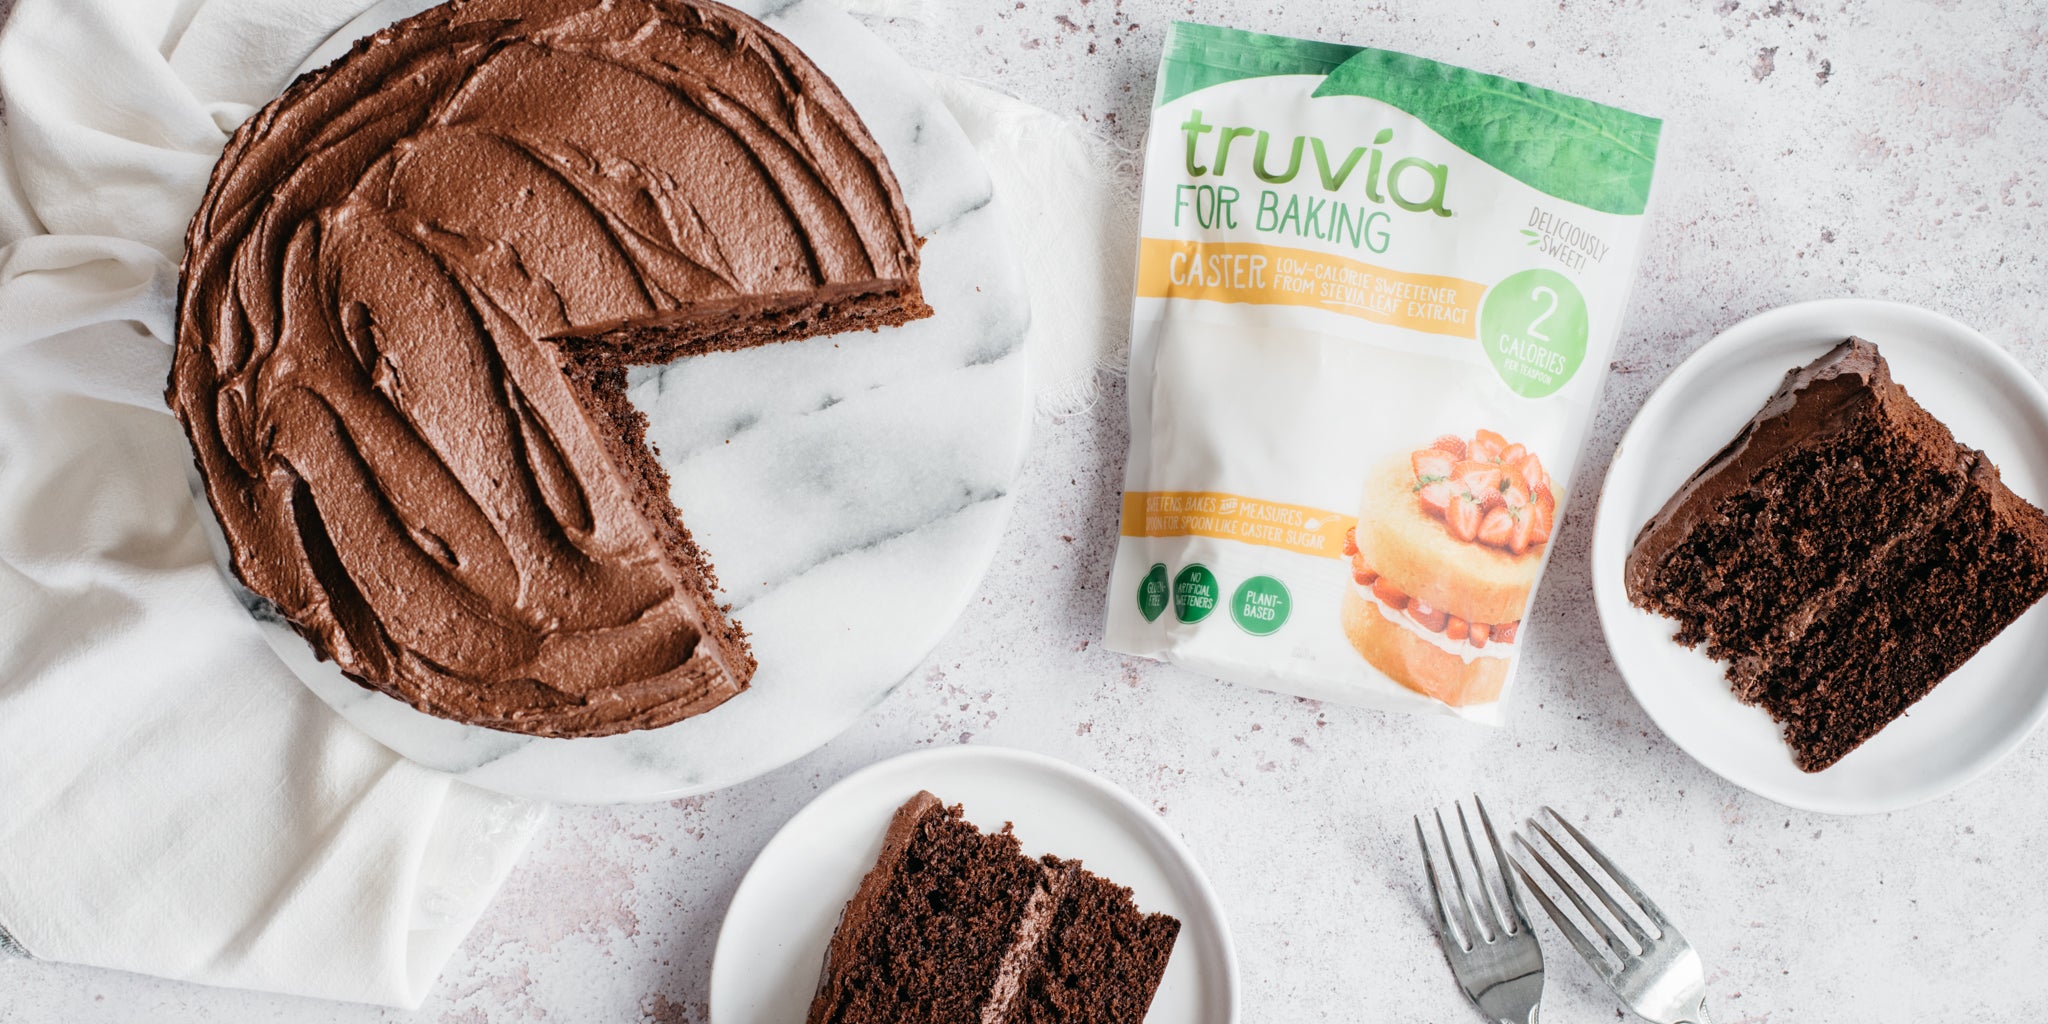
column 956, row 925
column 1842, row 554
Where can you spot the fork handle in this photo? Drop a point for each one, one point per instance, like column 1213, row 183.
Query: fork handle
column 1699, row 1015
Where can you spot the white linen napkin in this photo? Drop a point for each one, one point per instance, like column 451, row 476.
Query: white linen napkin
column 1070, row 208
column 172, row 801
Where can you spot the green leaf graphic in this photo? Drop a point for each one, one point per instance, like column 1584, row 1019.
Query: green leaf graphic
column 1577, row 150
column 1199, row 56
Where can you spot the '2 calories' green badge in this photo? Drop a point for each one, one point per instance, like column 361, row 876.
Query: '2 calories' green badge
column 1533, row 327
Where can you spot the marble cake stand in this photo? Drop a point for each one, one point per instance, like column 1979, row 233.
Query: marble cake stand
column 850, row 490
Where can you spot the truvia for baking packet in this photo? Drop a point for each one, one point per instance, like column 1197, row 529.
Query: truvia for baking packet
column 1376, row 297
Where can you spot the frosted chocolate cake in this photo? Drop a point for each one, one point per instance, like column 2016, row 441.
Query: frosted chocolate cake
column 1843, row 554
column 409, row 298
column 955, row 925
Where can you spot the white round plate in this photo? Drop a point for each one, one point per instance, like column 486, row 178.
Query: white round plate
column 850, row 490
column 1976, row 716
column 772, row 945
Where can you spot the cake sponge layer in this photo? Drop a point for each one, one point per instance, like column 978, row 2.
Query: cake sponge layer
column 955, row 926
column 1843, row 554
column 1410, row 548
column 1906, row 624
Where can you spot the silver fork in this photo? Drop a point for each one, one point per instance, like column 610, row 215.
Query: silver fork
column 1658, row 976
column 1492, row 952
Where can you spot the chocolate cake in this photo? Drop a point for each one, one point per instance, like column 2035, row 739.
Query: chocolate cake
column 409, row 298
column 1843, row 554
column 954, row 925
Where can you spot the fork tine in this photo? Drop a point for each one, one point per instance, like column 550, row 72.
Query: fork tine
column 1500, row 861
column 1499, row 921
column 1443, row 914
column 1465, row 902
column 1614, row 942
column 1599, row 890
column 1650, row 910
column 1564, row 924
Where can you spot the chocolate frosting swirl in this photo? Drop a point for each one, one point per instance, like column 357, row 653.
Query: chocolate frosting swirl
column 376, row 288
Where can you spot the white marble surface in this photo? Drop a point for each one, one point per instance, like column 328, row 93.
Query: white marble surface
column 1811, row 150
column 850, row 490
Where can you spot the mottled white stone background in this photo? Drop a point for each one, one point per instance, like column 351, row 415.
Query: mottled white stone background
column 1811, row 150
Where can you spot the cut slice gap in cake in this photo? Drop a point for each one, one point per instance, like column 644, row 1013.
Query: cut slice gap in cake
column 399, row 263
column 596, row 369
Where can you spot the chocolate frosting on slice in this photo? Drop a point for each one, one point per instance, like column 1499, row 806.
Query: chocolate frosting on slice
column 367, row 361
column 1024, row 954
column 858, row 916
column 1842, row 555
column 1814, row 400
